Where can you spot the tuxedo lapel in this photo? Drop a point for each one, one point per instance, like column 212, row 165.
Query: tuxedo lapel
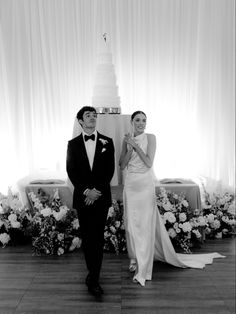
column 83, row 153
column 98, row 150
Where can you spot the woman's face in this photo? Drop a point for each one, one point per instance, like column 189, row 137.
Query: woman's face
column 139, row 123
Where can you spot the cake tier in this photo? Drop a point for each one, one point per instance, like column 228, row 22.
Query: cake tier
column 105, row 58
column 106, row 101
column 105, row 91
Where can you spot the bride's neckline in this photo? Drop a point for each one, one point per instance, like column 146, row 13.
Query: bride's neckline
column 139, row 135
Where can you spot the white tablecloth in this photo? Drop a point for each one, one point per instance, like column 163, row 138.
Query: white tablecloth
column 189, row 188
column 64, row 190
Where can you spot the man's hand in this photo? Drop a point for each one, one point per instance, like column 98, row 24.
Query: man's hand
column 92, row 196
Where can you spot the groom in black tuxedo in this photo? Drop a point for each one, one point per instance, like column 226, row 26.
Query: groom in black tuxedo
column 90, row 167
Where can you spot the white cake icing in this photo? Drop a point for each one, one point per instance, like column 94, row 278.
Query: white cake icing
column 105, row 91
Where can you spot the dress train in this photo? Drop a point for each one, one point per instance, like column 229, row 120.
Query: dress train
column 164, row 251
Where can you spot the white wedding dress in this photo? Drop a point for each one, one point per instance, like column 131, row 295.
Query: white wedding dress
column 146, row 235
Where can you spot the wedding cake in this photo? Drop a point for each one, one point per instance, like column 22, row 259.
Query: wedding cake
column 105, row 91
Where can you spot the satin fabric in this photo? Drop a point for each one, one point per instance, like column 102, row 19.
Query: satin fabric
column 146, row 235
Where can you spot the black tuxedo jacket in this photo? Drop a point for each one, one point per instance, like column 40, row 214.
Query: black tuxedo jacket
column 83, row 177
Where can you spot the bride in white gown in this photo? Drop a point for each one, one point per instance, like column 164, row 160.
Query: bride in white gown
column 146, row 235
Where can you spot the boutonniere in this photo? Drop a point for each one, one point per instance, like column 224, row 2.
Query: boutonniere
column 103, row 141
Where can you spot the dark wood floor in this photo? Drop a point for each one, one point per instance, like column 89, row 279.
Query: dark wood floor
column 51, row 284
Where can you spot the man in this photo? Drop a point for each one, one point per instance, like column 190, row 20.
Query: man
column 90, row 167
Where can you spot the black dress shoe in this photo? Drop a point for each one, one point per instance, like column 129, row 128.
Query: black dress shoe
column 96, row 290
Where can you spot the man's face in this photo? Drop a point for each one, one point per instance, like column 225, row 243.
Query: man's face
column 89, row 120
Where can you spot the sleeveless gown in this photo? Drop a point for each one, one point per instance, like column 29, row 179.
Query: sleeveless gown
column 146, row 235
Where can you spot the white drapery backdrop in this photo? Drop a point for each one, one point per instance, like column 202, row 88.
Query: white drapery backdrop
column 174, row 59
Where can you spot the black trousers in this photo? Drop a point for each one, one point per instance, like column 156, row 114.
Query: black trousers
column 92, row 224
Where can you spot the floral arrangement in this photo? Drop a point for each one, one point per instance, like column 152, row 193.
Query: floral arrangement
column 54, row 227
column 184, row 225
column 219, row 210
column 114, row 230
column 14, row 219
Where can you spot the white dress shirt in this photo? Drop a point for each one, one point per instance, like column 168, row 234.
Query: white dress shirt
column 90, row 147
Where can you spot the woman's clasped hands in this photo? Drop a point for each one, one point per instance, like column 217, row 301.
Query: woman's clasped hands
column 129, row 139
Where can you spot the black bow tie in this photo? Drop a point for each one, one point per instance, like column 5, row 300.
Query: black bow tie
column 89, row 137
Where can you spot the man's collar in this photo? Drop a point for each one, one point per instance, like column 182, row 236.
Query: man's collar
column 94, row 132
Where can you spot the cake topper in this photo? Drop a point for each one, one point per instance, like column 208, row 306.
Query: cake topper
column 104, row 35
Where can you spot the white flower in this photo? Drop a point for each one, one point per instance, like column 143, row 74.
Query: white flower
column 60, row 251
column 117, row 224
column 76, row 243
column 201, row 221
column 46, row 211
column 218, row 235
column 197, row 233
column 215, row 224
column 1, row 209
column 219, row 213
column 231, row 209
column 182, row 217
column 60, row 236
column 12, row 217
column 4, row 238
column 185, row 203
column 15, row 224
column 113, row 229
column 172, row 233
column 103, row 141
column 231, row 222
column 170, row 217
column 110, row 212
column 186, row 227
column 176, row 225
column 75, row 224
column 167, row 206
column 210, row 218
column 61, row 214
column 225, row 219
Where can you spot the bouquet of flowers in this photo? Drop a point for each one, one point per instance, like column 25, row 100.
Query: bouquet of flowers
column 114, row 233
column 219, row 210
column 54, row 227
column 184, row 225
column 14, row 219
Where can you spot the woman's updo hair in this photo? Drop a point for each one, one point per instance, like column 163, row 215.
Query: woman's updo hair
column 137, row 112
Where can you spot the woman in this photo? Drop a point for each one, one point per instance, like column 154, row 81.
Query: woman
column 147, row 238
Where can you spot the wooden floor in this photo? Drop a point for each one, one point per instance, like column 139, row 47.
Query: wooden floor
column 51, row 284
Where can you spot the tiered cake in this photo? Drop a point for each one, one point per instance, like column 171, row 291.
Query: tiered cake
column 105, row 91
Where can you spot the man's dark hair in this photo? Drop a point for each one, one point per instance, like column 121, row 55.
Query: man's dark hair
column 81, row 112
